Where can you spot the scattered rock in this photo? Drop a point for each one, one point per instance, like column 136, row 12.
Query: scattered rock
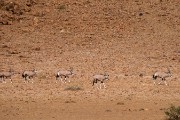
column 140, row 14
column 142, row 109
column 141, row 75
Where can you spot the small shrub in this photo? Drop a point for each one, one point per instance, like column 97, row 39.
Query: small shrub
column 73, row 88
column 173, row 113
column 61, row 7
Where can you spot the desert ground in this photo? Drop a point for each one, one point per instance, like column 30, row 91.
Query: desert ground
column 128, row 39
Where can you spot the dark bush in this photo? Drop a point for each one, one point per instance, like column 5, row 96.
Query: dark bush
column 173, row 113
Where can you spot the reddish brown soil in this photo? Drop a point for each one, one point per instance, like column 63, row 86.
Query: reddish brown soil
column 128, row 39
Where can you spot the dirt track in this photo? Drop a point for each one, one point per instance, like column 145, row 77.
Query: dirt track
column 129, row 40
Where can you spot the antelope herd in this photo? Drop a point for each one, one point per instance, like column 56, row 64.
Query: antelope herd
column 63, row 75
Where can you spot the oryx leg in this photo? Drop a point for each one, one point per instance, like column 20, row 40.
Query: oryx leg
column 57, row 78
column 154, row 82
column 69, row 80
column 11, row 79
column 61, row 79
column 104, row 85
column 100, row 85
column 97, row 85
column 32, row 80
column 3, row 79
column 25, row 79
column 160, row 82
column 65, row 79
column 165, row 81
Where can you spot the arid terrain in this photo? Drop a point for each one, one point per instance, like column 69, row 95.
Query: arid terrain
column 128, row 39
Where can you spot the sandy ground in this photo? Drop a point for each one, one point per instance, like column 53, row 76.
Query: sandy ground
column 129, row 40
